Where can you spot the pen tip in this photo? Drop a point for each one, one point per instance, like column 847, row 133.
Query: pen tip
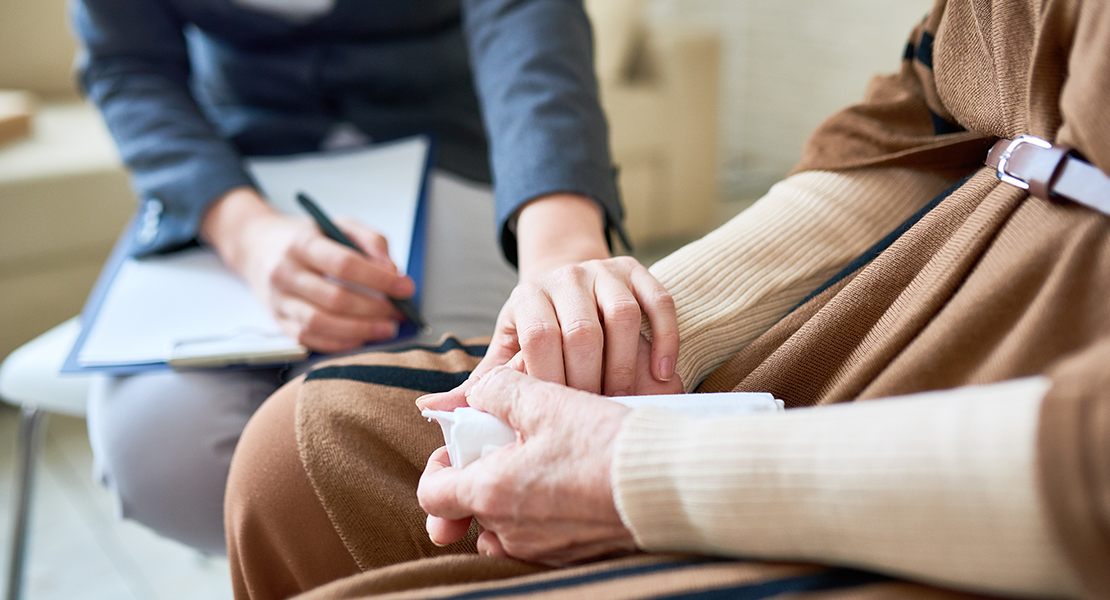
column 426, row 330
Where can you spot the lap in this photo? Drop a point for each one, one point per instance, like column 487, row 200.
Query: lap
column 324, row 479
column 364, row 445
column 631, row 577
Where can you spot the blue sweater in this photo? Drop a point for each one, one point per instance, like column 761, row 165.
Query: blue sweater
column 187, row 87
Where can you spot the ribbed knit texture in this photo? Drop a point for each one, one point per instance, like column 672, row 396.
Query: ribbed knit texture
column 733, row 284
column 939, row 486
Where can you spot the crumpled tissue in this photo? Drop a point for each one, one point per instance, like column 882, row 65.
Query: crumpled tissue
column 470, row 434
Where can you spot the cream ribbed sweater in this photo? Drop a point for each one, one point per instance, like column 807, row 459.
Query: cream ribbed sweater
column 734, row 283
column 939, row 487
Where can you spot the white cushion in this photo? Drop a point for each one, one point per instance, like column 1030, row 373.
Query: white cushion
column 30, row 375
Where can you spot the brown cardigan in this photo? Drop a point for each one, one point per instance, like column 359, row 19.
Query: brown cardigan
column 991, row 284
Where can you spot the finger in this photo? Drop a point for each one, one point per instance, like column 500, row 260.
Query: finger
column 659, row 306
column 317, row 322
column 621, row 319
column 445, row 401
column 504, row 344
column 523, row 402
column 445, row 531
column 372, row 243
column 517, row 364
column 490, row 545
column 327, row 345
column 332, row 258
column 583, row 338
column 538, row 333
column 329, row 295
column 440, row 488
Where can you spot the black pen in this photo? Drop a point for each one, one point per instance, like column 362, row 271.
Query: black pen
column 333, row 233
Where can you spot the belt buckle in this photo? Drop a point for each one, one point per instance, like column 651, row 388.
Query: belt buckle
column 1005, row 158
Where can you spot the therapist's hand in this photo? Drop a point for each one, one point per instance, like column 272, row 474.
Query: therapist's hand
column 575, row 315
column 294, row 270
column 546, row 498
column 643, row 382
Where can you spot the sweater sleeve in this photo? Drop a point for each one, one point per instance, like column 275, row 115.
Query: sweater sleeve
column 938, row 486
column 533, row 67
column 135, row 67
column 733, row 284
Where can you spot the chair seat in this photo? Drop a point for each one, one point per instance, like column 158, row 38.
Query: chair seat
column 30, row 375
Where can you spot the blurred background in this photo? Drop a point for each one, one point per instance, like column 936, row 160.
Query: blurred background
column 709, row 104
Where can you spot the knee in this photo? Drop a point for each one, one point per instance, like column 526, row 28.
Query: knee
column 162, row 444
column 265, row 461
column 280, row 540
column 148, row 441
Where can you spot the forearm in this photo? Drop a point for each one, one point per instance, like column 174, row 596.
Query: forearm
column 939, row 487
column 733, row 284
column 533, row 69
column 557, row 230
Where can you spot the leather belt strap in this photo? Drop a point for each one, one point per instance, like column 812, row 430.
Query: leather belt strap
column 1050, row 172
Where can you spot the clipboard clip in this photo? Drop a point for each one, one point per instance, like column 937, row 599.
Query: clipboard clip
column 248, row 347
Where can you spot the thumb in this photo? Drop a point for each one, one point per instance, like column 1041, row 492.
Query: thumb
column 517, row 399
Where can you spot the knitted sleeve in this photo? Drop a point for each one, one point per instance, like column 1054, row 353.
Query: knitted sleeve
column 939, row 487
column 733, row 284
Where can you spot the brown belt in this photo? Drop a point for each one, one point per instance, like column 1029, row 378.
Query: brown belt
column 1050, row 172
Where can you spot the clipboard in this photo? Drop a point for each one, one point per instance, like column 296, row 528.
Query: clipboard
column 215, row 321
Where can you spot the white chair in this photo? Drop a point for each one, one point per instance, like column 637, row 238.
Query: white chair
column 30, row 379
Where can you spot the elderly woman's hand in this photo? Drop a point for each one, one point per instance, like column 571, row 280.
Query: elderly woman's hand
column 547, row 497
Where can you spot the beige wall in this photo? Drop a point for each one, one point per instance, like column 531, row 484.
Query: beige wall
column 786, row 65
column 36, row 47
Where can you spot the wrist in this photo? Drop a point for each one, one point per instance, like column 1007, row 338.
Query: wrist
column 229, row 222
column 557, row 230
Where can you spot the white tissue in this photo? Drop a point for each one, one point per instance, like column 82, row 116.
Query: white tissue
column 471, row 434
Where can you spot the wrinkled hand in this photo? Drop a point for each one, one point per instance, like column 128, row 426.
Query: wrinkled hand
column 547, row 498
column 296, row 272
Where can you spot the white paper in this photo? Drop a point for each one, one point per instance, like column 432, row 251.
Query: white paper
column 190, row 303
column 155, row 303
column 470, row 434
column 378, row 186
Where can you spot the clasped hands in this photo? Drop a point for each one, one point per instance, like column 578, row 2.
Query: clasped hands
column 570, row 331
column 563, row 338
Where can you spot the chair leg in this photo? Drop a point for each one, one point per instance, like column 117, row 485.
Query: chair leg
column 32, row 424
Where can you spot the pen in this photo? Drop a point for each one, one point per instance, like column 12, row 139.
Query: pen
column 333, row 233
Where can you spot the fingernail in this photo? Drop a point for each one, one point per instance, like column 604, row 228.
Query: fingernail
column 437, row 544
column 666, row 368
column 387, row 330
column 422, row 401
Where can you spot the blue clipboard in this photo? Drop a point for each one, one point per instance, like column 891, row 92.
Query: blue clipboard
column 127, row 247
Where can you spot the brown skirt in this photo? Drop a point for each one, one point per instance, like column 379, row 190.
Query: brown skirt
column 324, row 488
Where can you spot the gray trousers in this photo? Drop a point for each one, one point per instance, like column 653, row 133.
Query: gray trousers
column 162, row 441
